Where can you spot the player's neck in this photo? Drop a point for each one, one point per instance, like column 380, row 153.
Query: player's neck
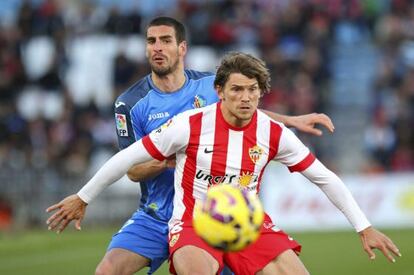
column 171, row 82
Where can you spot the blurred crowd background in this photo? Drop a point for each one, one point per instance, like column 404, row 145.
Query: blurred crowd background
column 63, row 63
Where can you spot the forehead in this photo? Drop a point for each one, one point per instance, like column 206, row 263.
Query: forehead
column 157, row 31
column 238, row 79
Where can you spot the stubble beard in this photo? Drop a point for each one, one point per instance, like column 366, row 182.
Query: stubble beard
column 163, row 71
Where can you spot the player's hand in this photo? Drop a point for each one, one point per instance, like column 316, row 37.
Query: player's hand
column 69, row 209
column 306, row 123
column 170, row 162
column 372, row 238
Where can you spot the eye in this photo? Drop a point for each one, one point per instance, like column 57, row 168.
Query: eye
column 253, row 89
column 237, row 88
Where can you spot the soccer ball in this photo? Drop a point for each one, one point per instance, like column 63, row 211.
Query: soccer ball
column 228, row 219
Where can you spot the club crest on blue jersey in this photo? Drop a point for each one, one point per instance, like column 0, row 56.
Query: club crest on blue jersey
column 121, row 125
column 199, row 101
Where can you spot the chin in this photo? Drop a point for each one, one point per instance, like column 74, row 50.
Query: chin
column 161, row 71
column 245, row 116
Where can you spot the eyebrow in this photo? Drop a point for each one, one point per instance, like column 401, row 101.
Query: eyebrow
column 161, row 37
column 241, row 86
column 166, row 36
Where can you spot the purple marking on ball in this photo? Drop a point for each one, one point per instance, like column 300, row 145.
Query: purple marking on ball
column 222, row 218
column 232, row 200
column 246, row 199
column 217, row 216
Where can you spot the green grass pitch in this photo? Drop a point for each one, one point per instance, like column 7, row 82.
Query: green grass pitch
column 43, row 252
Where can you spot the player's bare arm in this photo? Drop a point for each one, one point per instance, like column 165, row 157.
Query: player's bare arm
column 149, row 169
column 69, row 209
column 305, row 123
column 373, row 239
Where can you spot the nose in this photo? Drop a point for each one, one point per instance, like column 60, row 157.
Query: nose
column 157, row 46
column 245, row 96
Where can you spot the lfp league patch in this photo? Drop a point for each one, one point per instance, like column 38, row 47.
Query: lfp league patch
column 121, row 125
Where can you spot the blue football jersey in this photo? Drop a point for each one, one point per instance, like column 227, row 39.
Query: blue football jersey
column 143, row 108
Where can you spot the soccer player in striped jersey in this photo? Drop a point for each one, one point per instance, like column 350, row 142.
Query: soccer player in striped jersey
column 150, row 102
column 231, row 142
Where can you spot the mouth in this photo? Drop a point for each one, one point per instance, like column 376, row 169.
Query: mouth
column 245, row 108
column 159, row 59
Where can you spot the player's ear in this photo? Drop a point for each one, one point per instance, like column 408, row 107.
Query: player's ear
column 182, row 48
column 220, row 92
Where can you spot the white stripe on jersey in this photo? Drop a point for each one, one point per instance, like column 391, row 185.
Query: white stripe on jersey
column 234, row 160
column 205, row 151
column 179, row 207
column 263, row 139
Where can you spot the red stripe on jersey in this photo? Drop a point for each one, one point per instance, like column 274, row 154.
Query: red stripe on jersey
column 221, row 142
column 152, row 150
column 191, row 164
column 274, row 139
column 302, row 165
column 249, row 141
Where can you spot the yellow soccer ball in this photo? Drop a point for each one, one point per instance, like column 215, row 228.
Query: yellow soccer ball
column 229, row 218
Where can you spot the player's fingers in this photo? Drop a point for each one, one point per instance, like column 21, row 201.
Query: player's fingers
column 313, row 131
column 63, row 225
column 386, row 253
column 368, row 249
column 78, row 224
column 326, row 122
column 370, row 253
column 53, row 207
column 52, row 226
column 54, row 217
column 394, row 249
column 55, row 223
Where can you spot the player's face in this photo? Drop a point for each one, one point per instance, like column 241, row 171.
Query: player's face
column 162, row 50
column 239, row 99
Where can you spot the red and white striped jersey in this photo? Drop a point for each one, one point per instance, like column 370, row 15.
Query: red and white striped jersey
column 209, row 151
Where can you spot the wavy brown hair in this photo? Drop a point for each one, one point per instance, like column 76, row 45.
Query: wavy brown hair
column 245, row 64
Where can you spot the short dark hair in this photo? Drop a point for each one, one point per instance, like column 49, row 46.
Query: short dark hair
column 246, row 64
column 169, row 21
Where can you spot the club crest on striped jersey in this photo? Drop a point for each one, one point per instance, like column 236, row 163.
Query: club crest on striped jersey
column 199, row 101
column 255, row 153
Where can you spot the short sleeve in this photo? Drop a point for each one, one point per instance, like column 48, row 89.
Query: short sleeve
column 292, row 152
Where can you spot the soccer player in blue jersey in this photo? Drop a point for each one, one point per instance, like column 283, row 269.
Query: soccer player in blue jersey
column 168, row 90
